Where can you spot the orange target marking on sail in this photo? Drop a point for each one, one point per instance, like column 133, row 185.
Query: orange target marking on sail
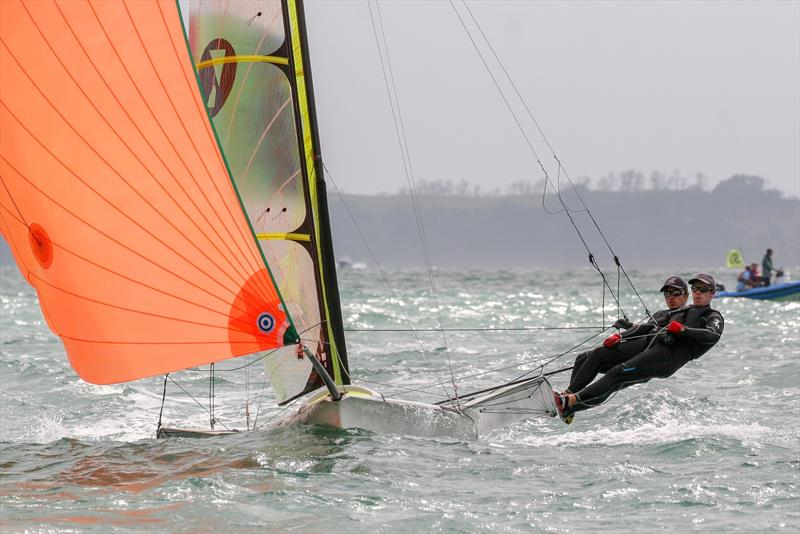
column 41, row 245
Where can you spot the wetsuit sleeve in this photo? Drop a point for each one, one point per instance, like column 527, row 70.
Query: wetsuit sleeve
column 638, row 330
column 711, row 333
column 646, row 326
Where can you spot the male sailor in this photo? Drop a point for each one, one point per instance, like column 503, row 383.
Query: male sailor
column 767, row 267
column 621, row 346
column 690, row 333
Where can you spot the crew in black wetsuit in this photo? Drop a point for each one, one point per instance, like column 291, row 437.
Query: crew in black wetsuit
column 619, row 347
column 691, row 332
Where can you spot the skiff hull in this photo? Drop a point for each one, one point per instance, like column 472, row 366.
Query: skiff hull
column 363, row 408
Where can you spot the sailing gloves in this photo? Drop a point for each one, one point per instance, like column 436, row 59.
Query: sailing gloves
column 675, row 328
column 612, row 341
column 623, row 323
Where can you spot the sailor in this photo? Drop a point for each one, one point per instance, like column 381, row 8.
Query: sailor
column 691, row 332
column 766, row 267
column 747, row 278
column 621, row 346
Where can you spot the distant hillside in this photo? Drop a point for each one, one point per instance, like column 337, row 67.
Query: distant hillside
column 647, row 228
column 651, row 228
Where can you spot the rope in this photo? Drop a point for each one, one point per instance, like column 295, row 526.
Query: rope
column 538, row 367
column 511, row 383
column 211, row 395
column 520, row 329
column 561, row 169
column 391, row 88
column 385, row 278
column 195, row 400
column 247, row 392
column 261, row 398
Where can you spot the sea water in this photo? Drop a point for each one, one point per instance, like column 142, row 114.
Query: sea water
column 715, row 447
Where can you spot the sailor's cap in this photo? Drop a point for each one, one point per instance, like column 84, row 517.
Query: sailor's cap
column 705, row 278
column 676, row 282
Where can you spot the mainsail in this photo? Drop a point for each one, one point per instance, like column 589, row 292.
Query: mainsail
column 116, row 200
column 254, row 74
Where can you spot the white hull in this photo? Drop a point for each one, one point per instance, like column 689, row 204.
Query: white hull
column 366, row 409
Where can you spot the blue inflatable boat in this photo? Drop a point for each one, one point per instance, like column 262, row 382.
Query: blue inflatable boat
column 787, row 291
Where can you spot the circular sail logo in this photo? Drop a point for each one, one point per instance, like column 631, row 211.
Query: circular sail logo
column 217, row 89
column 266, row 323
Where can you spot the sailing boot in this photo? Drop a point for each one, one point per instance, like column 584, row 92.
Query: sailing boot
column 562, row 405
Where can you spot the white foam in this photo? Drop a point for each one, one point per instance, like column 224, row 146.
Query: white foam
column 46, row 429
column 650, row 434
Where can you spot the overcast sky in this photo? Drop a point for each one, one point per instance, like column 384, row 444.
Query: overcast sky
column 699, row 87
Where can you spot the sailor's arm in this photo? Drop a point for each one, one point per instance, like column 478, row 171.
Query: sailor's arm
column 708, row 335
column 645, row 326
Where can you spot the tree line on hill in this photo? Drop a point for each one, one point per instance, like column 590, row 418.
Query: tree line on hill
column 670, row 224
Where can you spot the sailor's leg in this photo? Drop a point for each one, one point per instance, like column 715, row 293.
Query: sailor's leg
column 656, row 362
column 601, row 360
column 576, row 367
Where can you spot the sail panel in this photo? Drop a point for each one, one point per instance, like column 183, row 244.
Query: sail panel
column 243, row 61
column 116, row 199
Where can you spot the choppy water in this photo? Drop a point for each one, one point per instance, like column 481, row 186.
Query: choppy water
column 717, row 446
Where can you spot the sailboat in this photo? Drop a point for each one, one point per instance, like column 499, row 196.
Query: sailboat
column 163, row 192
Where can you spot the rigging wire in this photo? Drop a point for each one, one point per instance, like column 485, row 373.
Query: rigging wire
column 549, row 146
column 163, row 400
column 566, row 209
column 510, row 329
column 247, row 392
column 384, row 277
column 539, row 367
column 261, row 398
column 211, row 395
column 195, row 400
column 391, row 88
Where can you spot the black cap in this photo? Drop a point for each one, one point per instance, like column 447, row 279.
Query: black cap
column 676, row 282
column 705, row 278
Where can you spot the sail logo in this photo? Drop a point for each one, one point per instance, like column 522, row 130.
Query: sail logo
column 217, row 74
column 266, row 323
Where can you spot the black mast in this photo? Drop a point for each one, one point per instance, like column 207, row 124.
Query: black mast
column 327, row 262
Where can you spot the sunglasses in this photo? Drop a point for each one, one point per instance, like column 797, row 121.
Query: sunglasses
column 673, row 293
column 701, row 289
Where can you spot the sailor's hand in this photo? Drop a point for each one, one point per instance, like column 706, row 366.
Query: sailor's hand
column 675, row 328
column 622, row 323
column 612, row 341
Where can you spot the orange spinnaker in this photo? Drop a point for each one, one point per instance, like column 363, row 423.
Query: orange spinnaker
column 115, row 199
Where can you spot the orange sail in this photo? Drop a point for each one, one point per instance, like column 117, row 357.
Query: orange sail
column 115, row 198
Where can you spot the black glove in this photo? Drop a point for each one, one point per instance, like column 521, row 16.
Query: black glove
column 623, row 324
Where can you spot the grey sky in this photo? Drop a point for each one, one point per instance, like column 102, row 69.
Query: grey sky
column 708, row 87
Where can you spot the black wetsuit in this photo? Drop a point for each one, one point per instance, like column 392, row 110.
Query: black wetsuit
column 634, row 340
column 667, row 354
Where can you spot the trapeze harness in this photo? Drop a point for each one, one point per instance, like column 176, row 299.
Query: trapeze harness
column 640, row 359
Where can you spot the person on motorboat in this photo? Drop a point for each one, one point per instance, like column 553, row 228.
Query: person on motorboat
column 690, row 333
column 748, row 278
column 634, row 339
column 766, row 267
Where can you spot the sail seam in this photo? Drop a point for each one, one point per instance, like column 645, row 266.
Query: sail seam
column 135, row 125
column 132, row 280
column 194, row 88
column 122, row 212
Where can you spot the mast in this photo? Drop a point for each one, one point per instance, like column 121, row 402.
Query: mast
column 311, row 160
